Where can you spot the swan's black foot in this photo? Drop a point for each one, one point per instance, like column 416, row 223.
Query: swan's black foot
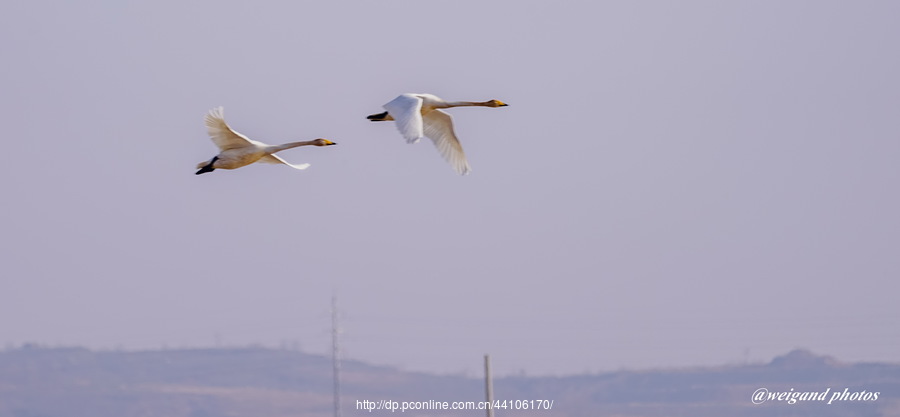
column 208, row 167
column 205, row 169
column 380, row 117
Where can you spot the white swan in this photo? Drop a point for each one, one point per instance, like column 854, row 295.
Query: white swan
column 418, row 115
column 238, row 150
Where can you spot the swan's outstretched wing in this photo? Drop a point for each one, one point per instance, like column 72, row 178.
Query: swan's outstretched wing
column 439, row 128
column 274, row 159
column 222, row 135
column 406, row 110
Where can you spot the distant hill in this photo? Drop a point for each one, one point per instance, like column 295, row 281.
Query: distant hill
column 75, row 382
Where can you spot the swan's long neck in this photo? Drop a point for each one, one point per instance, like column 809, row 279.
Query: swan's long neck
column 464, row 103
column 279, row 148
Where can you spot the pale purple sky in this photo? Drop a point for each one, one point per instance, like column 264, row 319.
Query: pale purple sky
column 673, row 183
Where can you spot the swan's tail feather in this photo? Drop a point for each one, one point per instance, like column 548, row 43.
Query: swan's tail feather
column 380, row 117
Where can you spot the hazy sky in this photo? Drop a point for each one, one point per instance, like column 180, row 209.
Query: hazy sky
column 673, row 183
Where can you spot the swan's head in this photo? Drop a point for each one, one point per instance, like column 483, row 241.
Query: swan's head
column 495, row 103
column 323, row 142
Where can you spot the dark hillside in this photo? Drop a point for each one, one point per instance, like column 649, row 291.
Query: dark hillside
column 74, row 382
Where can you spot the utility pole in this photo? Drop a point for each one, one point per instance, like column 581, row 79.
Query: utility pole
column 488, row 386
column 335, row 356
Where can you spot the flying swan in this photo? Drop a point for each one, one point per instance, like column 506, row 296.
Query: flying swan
column 419, row 115
column 237, row 150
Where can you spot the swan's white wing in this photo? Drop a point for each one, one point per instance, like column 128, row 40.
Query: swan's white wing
column 274, row 159
column 222, row 135
column 439, row 128
column 406, row 110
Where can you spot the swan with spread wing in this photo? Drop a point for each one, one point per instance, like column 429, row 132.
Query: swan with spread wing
column 420, row 115
column 237, row 150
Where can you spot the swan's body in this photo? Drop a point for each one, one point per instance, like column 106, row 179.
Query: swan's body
column 237, row 150
column 419, row 115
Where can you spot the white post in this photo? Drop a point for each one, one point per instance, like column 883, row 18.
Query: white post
column 335, row 357
column 488, row 386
